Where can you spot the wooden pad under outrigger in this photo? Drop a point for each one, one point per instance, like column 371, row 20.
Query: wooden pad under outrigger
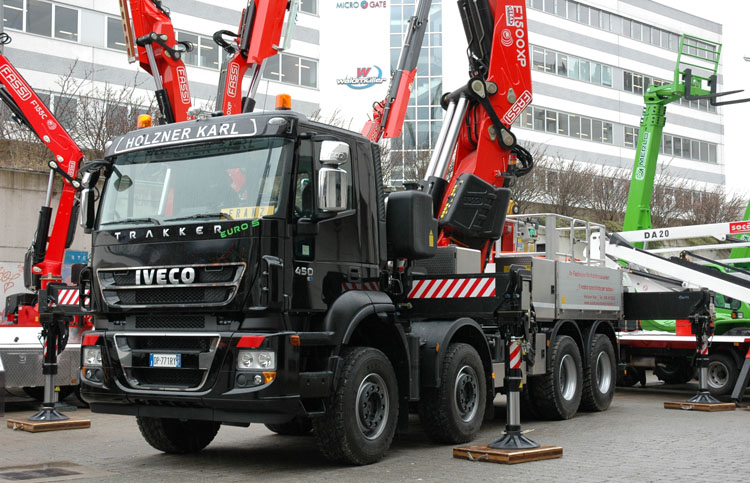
column 507, row 456
column 41, row 426
column 694, row 406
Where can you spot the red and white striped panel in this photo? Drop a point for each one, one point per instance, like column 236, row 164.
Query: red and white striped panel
column 704, row 349
column 70, row 297
column 453, row 288
column 515, row 355
column 375, row 286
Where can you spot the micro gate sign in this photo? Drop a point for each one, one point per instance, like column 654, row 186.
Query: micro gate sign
column 363, row 4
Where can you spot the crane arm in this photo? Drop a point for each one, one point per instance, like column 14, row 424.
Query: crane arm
column 258, row 38
column 388, row 115
column 150, row 39
column 46, row 255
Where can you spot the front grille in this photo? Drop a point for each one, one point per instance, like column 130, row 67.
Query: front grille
column 174, row 343
column 177, row 295
column 182, row 378
column 213, row 285
column 169, row 322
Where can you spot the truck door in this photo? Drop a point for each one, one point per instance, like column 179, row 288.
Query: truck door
column 327, row 249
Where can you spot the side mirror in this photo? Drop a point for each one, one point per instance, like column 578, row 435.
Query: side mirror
column 86, row 214
column 334, row 152
column 333, row 190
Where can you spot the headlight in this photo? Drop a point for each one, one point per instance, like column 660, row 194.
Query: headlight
column 92, row 356
column 259, row 360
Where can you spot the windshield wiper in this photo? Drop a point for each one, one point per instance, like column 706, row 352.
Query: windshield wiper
column 133, row 220
column 203, row 215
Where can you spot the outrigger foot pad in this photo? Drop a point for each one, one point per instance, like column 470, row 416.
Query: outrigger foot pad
column 704, row 397
column 513, row 439
column 48, row 414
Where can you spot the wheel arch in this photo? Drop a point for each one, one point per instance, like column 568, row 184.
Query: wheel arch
column 437, row 335
column 571, row 329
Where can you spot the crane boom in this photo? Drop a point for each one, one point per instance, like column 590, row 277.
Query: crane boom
column 150, row 39
column 258, row 38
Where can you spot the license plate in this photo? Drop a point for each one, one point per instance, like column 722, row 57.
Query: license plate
column 165, row 360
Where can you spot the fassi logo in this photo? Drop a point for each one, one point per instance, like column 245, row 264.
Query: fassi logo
column 232, row 77
column 183, row 83
column 14, row 81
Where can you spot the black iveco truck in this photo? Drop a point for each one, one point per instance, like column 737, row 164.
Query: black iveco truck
column 247, row 269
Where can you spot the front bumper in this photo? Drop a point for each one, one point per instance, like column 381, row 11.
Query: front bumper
column 130, row 387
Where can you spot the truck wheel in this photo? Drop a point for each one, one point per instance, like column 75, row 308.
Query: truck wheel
column 361, row 415
column 557, row 394
column 632, row 376
column 600, row 377
column 177, row 436
column 722, row 374
column 453, row 412
column 299, row 425
column 675, row 371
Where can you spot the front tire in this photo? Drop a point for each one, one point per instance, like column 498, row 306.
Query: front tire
column 177, row 436
column 601, row 375
column 675, row 371
column 361, row 416
column 453, row 412
column 722, row 374
column 557, row 394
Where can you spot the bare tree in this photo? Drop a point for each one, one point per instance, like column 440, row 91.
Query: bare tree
column 670, row 201
column 528, row 190
column 715, row 206
column 609, row 196
column 568, row 185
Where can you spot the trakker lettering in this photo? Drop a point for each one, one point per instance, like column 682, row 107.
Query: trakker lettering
column 176, row 135
column 163, row 276
column 172, row 232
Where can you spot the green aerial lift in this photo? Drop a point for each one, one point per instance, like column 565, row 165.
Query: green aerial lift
column 695, row 78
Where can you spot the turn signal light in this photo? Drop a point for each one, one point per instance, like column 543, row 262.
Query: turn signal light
column 269, row 377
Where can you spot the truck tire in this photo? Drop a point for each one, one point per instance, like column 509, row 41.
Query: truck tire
column 177, row 436
column 453, row 413
column 601, row 375
column 360, row 419
column 298, row 426
column 632, row 376
column 557, row 394
column 675, row 371
column 722, row 374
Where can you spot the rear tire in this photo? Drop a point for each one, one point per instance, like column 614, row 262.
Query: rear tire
column 600, row 377
column 453, row 413
column 557, row 394
column 675, row 371
column 298, row 426
column 722, row 374
column 177, row 436
column 361, row 415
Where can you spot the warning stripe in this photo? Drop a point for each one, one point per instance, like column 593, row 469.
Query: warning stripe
column 515, row 355
column 372, row 286
column 452, row 288
column 704, row 350
column 70, row 297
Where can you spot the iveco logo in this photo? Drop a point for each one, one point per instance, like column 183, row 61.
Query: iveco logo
column 164, row 276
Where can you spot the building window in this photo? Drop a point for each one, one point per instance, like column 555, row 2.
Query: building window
column 209, row 53
column 309, row 6
column 291, row 69
column 39, row 18
column 115, row 35
column 66, row 23
column 538, row 119
column 630, row 137
column 13, row 14
column 553, row 62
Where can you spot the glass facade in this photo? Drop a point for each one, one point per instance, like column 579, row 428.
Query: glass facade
column 410, row 152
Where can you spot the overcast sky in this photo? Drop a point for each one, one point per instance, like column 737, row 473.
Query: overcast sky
column 734, row 16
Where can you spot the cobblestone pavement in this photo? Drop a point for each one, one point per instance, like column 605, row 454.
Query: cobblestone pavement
column 636, row 440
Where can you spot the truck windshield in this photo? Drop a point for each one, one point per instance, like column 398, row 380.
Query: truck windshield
column 231, row 179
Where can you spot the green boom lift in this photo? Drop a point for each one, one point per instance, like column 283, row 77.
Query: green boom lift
column 695, row 78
